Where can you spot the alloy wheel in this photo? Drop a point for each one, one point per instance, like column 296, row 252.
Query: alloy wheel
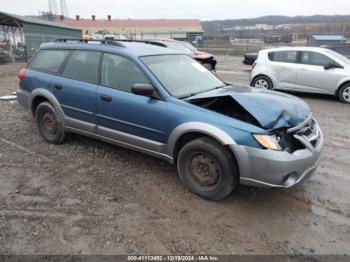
column 346, row 94
column 262, row 84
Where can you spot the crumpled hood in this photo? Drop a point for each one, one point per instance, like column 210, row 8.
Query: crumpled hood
column 271, row 109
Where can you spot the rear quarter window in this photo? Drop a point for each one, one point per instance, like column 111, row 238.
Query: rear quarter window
column 283, row 56
column 49, row 60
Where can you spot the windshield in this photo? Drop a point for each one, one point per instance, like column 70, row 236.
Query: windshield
column 181, row 76
column 342, row 58
column 179, row 47
column 189, row 46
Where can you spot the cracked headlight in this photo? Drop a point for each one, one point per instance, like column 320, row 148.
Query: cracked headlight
column 268, row 141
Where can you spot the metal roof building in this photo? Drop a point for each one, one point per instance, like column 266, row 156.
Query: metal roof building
column 318, row 40
column 144, row 28
column 32, row 31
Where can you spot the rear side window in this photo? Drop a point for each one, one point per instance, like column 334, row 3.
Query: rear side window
column 313, row 58
column 120, row 73
column 83, row 66
column 49, row 60
column 284, row 56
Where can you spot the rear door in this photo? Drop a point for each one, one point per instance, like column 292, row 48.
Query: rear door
column 312, row 75
column 122, row 115
column 43, row 68
column 76, row 89
column 284, row 67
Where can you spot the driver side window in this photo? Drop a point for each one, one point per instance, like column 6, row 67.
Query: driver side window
column 317, row 59
column 120, row 73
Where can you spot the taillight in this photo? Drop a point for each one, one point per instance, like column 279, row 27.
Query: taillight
column 254, row 64
column 21, row 74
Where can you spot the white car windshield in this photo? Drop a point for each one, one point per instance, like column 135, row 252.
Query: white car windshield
column 189, row 46
column 182, row 76
column 338, row 56
column 179, row 48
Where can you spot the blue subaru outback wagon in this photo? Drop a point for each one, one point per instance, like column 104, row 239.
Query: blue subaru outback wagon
column 163, row 103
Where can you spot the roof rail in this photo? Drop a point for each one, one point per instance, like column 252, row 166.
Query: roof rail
column 150, row 42
column 80, row 40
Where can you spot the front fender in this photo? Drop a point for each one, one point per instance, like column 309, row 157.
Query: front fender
column 342, row 81
column 207, row 129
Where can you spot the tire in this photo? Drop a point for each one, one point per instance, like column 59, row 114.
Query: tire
column 344, row 93
column 48, row 124
column 262, row 82
column 208, row 169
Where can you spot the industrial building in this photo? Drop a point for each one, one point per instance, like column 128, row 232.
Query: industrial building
column 28, row 33
column 318, row 40
column 184, row 29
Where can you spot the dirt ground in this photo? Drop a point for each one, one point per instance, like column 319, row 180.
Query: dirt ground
column 89, row 197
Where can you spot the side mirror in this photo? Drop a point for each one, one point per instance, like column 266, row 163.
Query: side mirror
column 142, row 89
column 332, row 66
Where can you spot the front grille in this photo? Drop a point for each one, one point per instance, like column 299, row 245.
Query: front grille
column 308, row 134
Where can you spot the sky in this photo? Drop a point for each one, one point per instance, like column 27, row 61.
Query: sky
column 194, row 9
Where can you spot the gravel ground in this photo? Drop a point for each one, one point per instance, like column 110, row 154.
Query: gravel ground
column 89, row 197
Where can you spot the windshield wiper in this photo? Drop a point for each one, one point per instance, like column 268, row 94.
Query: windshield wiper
column 193, row 94
column 186, row 96
column 222, row 86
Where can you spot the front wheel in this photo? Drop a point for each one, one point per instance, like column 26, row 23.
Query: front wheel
column 344, row 94
column 262, row 82
column 207, row 169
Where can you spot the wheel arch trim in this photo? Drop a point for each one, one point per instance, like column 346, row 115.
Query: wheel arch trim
column 51, row 98
column 206, row 129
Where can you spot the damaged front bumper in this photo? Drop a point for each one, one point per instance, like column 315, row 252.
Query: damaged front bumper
column 269, row 168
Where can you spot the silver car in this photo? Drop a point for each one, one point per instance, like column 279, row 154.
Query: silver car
column 304, row 69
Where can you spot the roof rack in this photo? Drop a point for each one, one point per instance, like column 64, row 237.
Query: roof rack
column 150, row 42
column 79, row 40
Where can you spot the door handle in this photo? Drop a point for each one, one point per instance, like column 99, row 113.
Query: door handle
column 106, row 98
column 58, row 86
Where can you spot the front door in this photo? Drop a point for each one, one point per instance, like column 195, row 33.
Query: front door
column 312, row 75
column 122, row 115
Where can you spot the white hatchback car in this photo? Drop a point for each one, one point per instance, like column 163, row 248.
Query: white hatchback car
column 304, row 69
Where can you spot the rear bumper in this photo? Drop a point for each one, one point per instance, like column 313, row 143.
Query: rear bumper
column 23, row 98
column 269, row 168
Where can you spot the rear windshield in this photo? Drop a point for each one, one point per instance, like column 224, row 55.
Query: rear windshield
column 49, row 60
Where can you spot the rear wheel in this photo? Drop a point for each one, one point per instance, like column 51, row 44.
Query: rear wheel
column 48, row 123
column 262, row 82
column 207, row 169
column 344, row 93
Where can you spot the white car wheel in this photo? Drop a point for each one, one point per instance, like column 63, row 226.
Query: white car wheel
column 344, row 94
column 262, row 83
